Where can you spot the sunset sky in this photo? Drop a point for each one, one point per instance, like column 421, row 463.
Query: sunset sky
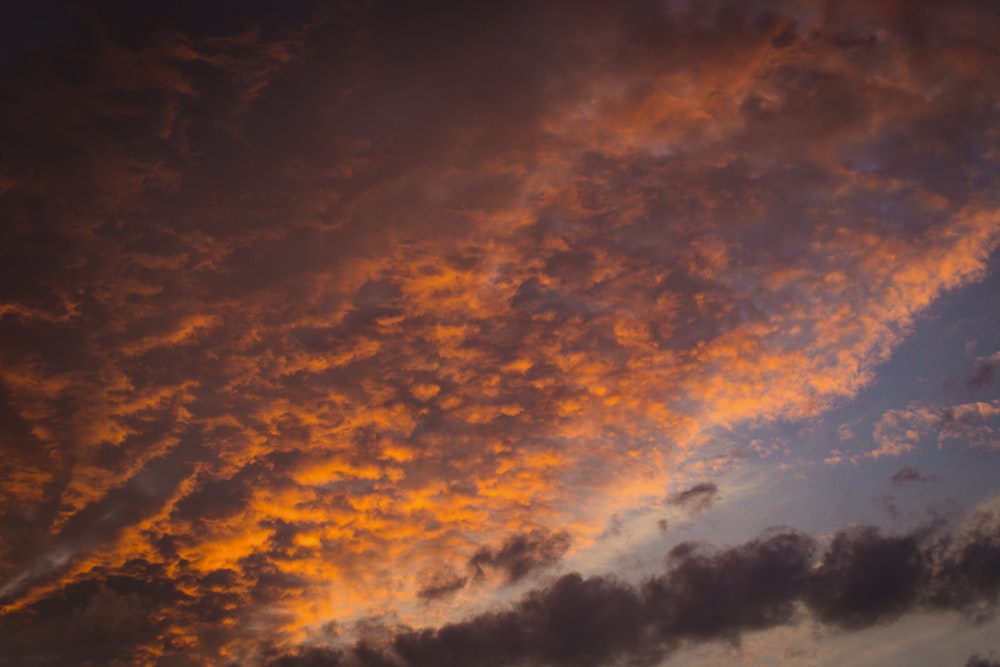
column 399, row 333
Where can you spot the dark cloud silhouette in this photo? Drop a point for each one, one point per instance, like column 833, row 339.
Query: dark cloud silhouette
column 864, row 578
column 94, row 621
column 520, row 555
column 975, row 660
column 698, row 498
column 442, row 584
column 312, row 657
column 984, row 377
column 909, row 474
column 717, row 594
column 106, row 616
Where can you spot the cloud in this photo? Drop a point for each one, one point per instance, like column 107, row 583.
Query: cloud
column 984, row 376
column 971, row 425
column 899, row 431
column 697, row 499
column 520, row 555
column 908, row 474
column 442, row 584
column 975, row 660
column 300, row 333
column 965, row 425
column 864, row 578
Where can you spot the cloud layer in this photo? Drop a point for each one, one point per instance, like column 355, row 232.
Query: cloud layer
column 311, row 316
column 965, row 425
column 862, row 579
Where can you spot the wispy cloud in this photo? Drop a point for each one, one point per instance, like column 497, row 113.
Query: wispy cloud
column 696, row 499
column 909, row 474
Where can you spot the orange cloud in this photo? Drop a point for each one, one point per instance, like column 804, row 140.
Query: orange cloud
column 303, row 333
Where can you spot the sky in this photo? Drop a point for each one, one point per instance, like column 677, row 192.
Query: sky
column 385, row 333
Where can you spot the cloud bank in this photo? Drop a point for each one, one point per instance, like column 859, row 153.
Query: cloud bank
column 863, row 578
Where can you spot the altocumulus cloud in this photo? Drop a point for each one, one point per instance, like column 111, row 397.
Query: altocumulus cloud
column 308, row 314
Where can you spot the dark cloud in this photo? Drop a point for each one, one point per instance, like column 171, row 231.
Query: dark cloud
column 215, row 499
column 890, row 505
column 983, row 377
column 698, row 498
column 864, row 578
column 312, row 657
column 710, row 594
column 520, row 555
column 975, row 660
column 141, row 612
column 94, row 621
column 909, row 474
column 442, row 584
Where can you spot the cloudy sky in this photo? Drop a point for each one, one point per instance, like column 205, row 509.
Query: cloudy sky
column 386, row 333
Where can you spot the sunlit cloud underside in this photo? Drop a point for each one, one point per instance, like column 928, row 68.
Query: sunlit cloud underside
column 373, row 313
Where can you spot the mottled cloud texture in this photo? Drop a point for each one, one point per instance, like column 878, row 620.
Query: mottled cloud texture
column 966, row 425
column 307, row 313
column 863, row 579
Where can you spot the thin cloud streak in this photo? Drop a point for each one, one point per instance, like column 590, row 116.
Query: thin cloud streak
column 698, row 498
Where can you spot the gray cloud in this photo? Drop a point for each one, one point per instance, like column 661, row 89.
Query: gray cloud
column 976, row 660
column 864, row 578
column 983, row 377
column 908, row 474
column 520, row 555
column 441, row 584
column 697, row 499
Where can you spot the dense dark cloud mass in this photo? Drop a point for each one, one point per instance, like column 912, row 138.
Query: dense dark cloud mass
column 334, row 311
column 863, row 578
column 979, row 661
